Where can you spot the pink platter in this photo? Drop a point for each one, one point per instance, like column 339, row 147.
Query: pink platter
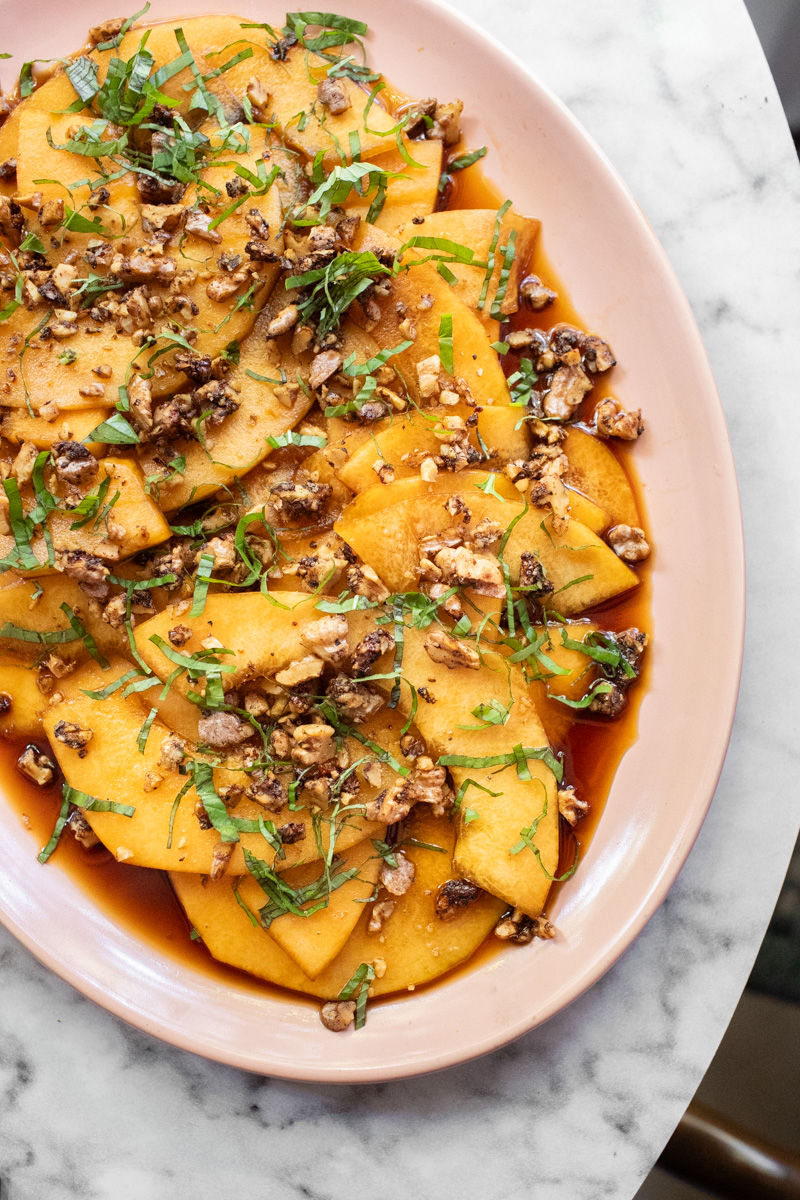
column 623, row 285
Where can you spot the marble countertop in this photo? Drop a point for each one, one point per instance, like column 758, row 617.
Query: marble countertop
column 680, row 98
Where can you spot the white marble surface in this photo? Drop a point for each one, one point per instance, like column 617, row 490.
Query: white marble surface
column 679, row 96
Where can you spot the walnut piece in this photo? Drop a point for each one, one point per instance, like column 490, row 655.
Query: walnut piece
column 399, row 879
column 518, row 927
column 338, row 1014
column 328, row 638
column 629, row 543
column 443, row 648
column 454, row 896
column 35, row 764
column 612, row 420
column 570, row 806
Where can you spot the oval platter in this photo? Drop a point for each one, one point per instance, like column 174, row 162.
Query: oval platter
column 622, row 284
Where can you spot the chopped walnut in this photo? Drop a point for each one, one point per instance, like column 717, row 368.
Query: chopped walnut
column 399, row 879
column 325, row 364
column 301, row 499
column 51, row 213
column 411, row 746
column 223, row 551
column 384, row 471
column 355, row 702
column 198, row 222
column 454, row 896
column 76, row 737
column 612, row 420
column 220, row 857
column 87, row 569
column 568, row 386
column 291, row 832
column 371, row 647
column 338, row 1014
column 313, row 744
column 381, row 912
column 144, row 265
column 81, row 830
column 156, row 217
column 74, row 463
column 443, row 648
column 258, row 96
column 517, row 927
column 447, row 123
column 222, row 287
column 172, row 752
column 223, row 729
column 631, row 643
column 179, row 635
column 428, row 371
column 300, row 671
column 536, row 294
column 466, row 569
column 362, row 581
column 629, row 543
column 266, row 788
column 106, row 31
column 570, row 806
column 429, row 786
column 391, row 805
column 285, row 320
column 331, row 93
column 597, row 353
column 35, row 764
column 486, row 533
column 327, row 638
column 532, row 575
column 24, row 462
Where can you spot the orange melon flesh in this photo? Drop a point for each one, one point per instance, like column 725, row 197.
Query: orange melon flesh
column 314, row 941
column 415, row 945
column 385, row 525
column 114, row 769
column 595, row 471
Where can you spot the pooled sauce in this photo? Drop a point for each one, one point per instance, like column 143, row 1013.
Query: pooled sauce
column 141, row 900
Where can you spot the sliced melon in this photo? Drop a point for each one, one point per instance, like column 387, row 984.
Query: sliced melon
column 420, row 295
column 134, row 512
column 114, row 769
column 412, row 194
column 595, row 470
column 402, row 436
column 18, row 427
column 21, row 712
column 292, row 87
column 490, row 825
column 476, row 228
column 263, row 633
column 315, row 941
column 385, row 524
column 415, row 946
column 31, row 610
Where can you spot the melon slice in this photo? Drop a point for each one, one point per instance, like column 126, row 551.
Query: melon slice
column 415, row 946
column 114, row 769
column 595, row 470
column 385, row 524
column 314, row 941
column 475, row 228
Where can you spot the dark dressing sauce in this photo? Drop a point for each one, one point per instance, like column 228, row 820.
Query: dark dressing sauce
column 142, row 901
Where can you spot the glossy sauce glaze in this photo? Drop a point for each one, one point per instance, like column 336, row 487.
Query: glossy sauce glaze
column 141, row 900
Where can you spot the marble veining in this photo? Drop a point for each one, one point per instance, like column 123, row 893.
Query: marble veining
column 680, row 98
